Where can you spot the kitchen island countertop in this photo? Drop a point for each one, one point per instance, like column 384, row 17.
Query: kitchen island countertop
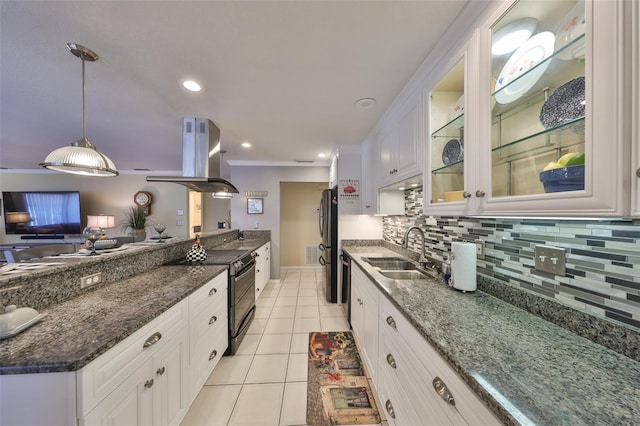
column 525, row 369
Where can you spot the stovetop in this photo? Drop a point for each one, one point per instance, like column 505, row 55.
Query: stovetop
column 236, row 259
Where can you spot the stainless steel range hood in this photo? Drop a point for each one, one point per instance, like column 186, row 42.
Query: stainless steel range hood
column 203, row 169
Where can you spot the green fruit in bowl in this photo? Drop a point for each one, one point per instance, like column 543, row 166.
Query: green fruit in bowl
column 571, row 159
column 576, row 160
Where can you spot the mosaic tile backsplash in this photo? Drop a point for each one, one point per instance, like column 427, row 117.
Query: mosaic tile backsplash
column 602, row 256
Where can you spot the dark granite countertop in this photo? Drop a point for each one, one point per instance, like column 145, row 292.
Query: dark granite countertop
column 525, row 369
column 79, row 330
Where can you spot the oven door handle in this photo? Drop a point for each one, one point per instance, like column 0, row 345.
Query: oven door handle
column 248, row 269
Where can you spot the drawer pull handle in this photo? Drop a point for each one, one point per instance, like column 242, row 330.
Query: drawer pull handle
column 213, row 355
column 391, row 361
column 160, row 371
column 389, row 406
column 152, row 340
column 213, row 291
column 391, row 321
column 148, row 384
column 213, row 319
column 443, row 391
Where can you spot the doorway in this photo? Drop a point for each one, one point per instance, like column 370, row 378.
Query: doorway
column 299, row 234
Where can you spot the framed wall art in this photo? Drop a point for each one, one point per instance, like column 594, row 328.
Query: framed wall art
column 254, row 205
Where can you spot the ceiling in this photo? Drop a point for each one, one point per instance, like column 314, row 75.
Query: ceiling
column 282, row 75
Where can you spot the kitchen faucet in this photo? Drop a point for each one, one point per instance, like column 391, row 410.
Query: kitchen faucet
column 426, row 263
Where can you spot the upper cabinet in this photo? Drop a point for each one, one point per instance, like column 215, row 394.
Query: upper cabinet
column 400, row 144
column 536, row 125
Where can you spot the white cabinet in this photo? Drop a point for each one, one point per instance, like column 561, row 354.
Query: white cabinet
column 143, row 379
column 400, row 144
column 514, row 127
column 369, row 185
column 635, row 108
column 208, row 338
column 410, row 370
column 404, row 368
column 263, row 267
column 364, row 318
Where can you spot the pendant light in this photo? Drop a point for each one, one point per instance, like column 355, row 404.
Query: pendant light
column 81, row 157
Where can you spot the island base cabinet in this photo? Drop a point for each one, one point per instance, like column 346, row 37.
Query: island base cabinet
column 50, row 399
column 155, row 394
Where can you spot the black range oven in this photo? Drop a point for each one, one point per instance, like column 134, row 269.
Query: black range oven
column 241, row 290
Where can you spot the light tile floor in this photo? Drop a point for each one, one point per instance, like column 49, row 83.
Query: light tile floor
column 265, row 383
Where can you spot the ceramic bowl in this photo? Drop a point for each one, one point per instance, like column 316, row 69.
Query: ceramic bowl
column 105, row 244
column 563, row 179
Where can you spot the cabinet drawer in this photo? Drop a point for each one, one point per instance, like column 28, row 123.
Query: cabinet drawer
column 208, row 324
column 468, row 404
column 206, row 356
column 209, row 291
column 400, row 363
column 393, row 402
column 104, row 374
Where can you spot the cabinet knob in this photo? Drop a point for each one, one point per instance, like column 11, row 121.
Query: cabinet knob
column 466, row 194
column 160, row 371
column 391, row 321
column 391, row 361
column 213, row 355
column 213, row 319
column 479, row 193
column 638, row 173
column 443, row 391
column 152, row 340
column 213, row 291
column 389, row 406
column 148, row 384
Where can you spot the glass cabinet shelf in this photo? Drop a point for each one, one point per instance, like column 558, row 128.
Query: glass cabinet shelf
column 456, row 168
column 452, row 129
column 568, row 134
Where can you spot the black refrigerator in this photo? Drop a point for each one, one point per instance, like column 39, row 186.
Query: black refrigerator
column 328, row 224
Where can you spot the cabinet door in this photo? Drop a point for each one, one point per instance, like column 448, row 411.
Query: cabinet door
column 369, row 187
column 131, row 403
column 364, row 318
column 170, row 375
column 445, row 103
column 552, row 110
column 635, row 108
column 409, row 148
column 387, row 144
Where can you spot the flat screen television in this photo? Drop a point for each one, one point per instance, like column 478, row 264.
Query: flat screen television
column 45, row 213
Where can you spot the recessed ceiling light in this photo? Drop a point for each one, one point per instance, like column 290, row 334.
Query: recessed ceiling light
column 413, row 185
column 191, row 86
column 246, row 145
column 321, row 155
column 365, row 103
column 401, row 188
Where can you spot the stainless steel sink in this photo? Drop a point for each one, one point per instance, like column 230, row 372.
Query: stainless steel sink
column 405, row 275
column 390, row 263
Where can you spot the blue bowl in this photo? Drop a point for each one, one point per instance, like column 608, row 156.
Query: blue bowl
column 563, row 179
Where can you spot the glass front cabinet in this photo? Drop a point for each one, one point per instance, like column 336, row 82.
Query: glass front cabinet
column 536, row 124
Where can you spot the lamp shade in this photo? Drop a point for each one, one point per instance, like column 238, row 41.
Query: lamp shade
column 80, row 158
column 101, row 221
column 18, row 217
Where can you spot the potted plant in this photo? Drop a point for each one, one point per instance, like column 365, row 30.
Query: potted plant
column 135, row 223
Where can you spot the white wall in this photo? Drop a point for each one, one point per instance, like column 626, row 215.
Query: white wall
column 268, row 178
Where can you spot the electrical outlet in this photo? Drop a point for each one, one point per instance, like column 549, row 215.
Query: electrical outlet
column 550, row 259
column 90, row 280
column 479, row 249
column 179, row 222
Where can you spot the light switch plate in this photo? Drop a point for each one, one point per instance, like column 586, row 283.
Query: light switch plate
column 550, row 259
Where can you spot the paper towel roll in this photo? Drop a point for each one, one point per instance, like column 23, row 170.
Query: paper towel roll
column 463, row 266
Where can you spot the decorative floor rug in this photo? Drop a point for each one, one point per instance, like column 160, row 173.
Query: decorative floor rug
column 338, row 392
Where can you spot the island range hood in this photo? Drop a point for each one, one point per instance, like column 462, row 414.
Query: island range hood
column 203, row 169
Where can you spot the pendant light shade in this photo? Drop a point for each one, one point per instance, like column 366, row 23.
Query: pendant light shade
column 81, row 157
